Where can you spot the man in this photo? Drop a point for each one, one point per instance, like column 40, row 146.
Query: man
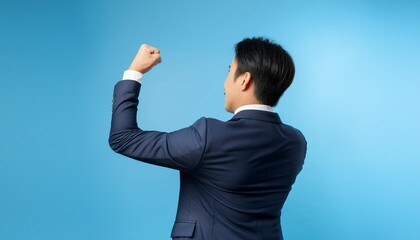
column 235, row 175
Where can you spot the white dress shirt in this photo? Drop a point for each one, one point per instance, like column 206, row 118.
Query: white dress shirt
column 132, row 75
column 260, row 107
column 137, row 76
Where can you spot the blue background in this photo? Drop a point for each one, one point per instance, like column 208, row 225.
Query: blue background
column 355, row 97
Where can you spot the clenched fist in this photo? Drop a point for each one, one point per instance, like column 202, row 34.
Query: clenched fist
column 146, row 58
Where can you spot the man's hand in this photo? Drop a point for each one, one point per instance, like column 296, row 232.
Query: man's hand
column 146, row 58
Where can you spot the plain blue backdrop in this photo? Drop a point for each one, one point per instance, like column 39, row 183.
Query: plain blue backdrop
column 355, row 97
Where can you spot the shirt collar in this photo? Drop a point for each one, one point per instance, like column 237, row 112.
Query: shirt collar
column 260, row 107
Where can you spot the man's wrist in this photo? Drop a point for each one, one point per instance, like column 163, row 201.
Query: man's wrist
column 132, row 75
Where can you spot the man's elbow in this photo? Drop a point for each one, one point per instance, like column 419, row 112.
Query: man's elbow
column 120, row 140
column 114, row 143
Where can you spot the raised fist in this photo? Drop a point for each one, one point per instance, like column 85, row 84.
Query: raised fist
column 146, row 58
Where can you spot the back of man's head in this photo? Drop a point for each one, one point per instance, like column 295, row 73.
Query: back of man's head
column 271, row 67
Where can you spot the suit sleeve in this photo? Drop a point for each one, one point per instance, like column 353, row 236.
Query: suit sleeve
column 181, row 150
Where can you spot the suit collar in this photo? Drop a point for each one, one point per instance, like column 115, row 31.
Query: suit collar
column 258, row 115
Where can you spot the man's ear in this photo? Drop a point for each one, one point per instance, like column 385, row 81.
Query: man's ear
column 246, row 81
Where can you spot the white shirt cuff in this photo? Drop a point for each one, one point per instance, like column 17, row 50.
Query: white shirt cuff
column 132, row 75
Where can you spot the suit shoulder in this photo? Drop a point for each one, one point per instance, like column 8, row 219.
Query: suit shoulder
column 214, row 121
column 205, row 124
column 296, row 133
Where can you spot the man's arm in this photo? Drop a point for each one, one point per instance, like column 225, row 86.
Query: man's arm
column 180, row 150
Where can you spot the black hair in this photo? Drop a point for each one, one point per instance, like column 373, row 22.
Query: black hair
column 271, row 67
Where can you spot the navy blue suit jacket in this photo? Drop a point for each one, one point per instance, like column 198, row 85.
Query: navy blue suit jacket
column 235, row 175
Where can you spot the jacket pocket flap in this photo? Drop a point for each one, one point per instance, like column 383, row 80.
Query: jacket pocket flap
column 183, row 228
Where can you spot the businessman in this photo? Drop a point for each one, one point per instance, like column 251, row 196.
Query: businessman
column 235, row 175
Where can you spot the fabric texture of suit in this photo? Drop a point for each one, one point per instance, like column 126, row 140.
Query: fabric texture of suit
column 234, row 176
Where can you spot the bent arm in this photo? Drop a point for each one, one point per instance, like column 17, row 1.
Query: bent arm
column 181, row 150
